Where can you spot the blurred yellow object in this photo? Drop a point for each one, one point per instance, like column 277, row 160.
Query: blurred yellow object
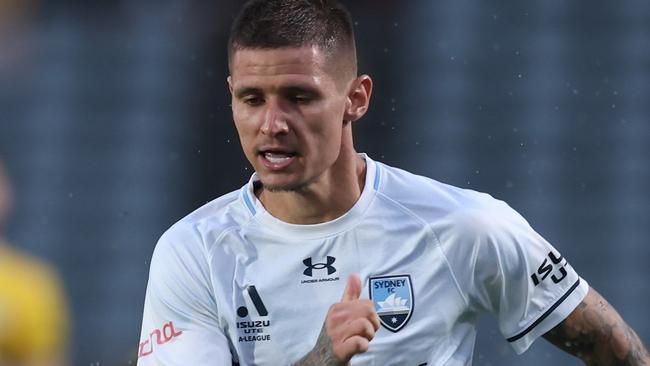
column 33, row 312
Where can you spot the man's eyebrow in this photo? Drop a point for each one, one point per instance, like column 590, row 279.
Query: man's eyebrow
column 241, row 92
column 299, row 89
column 290, row 89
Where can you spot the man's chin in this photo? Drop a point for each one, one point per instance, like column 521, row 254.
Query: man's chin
column 283, row 186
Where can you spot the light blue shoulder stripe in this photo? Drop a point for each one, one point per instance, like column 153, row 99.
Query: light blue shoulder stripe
column 377, row 176
column 247, row 199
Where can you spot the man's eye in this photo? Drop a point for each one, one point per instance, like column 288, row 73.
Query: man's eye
column 253, row 101
column 301, row 99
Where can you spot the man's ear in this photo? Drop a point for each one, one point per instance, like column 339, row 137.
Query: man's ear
column 358, row 98
column 229, row 79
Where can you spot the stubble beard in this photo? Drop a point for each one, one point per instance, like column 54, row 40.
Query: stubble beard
column 297, row 187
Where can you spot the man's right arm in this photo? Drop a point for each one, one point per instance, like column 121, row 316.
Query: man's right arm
column 180, row 323
column 349, row 327
column 596, row 333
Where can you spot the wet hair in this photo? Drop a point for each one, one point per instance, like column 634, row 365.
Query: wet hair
column 268, row 24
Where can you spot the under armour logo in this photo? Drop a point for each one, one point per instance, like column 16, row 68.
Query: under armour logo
column 310, row 267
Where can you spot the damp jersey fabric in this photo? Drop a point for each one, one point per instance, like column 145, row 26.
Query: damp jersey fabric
column 230, row 283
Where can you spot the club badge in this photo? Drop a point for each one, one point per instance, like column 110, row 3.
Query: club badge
column 393, row 299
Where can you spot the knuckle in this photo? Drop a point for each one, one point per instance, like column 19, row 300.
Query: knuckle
column 368, row 303
column 374, row 319
column 364, row 328
column 335, row 307
column 370, row 310
column 370, row 330
column 335, row 310
column 336, row 317
column 369, row 307
column 361, row 345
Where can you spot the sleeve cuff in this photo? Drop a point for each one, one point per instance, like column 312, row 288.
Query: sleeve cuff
column 555, row 314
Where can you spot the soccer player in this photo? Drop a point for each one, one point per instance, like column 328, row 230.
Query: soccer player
column 327, row 257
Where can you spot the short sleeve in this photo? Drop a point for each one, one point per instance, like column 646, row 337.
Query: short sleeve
column 180, row 323
column 504, row 267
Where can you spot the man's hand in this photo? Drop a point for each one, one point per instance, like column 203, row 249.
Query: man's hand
column 349, row 327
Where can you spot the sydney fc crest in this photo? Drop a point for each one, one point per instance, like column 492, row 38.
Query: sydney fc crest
column 393, row 299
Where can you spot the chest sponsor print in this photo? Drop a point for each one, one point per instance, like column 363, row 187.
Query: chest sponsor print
column 393, row 298
column 253, row 326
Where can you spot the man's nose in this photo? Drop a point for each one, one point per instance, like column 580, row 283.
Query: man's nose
column 275, row 122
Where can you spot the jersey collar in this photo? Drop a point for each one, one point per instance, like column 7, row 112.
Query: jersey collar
column 321, row 230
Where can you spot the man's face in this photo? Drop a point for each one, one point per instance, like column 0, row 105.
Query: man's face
column 288, row 109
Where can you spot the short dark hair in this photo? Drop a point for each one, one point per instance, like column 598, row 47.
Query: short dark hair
column 261, row 24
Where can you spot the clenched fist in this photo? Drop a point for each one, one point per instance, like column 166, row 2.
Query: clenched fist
column 349, row 327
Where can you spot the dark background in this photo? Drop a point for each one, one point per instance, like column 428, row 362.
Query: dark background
column 115, row 123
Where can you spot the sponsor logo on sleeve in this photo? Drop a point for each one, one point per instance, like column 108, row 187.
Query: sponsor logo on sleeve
column 393, row 299
column 159, row 337
column 554, row 266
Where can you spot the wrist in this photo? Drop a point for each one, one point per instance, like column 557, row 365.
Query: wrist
column 322, row 353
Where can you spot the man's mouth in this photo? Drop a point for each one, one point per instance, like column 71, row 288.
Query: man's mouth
column 276, row 159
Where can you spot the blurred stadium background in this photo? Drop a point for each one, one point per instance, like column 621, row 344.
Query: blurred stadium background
column 114, row 123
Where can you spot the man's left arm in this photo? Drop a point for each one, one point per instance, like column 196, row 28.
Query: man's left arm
column 596, row 333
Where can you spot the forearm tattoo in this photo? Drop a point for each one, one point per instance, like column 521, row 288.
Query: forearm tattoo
column 597, row 334
column 321, row 354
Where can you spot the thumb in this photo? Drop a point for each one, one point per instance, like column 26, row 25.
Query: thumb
column 352, row 289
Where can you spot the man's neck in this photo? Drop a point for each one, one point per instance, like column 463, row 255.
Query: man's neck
column 331, row 196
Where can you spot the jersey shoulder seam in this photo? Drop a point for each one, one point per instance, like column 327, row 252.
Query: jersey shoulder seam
column 435, row 237
column 208, row 259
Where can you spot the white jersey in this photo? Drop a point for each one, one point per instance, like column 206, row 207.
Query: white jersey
column 230, row 283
